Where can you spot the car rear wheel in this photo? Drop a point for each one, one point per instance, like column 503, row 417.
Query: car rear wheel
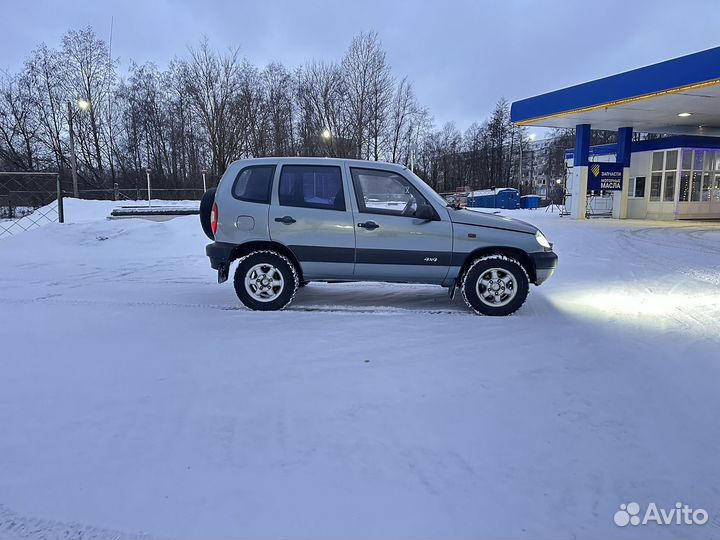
column 265, row 281
column 495, row 285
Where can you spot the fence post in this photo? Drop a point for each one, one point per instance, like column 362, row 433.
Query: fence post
column 61, row 210
column 148, row 171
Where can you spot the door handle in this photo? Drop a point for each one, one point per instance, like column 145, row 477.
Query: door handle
column 287, row 220
column 369, row 225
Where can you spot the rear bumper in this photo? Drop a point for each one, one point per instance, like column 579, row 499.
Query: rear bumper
column 545, row 263
column 220, row 255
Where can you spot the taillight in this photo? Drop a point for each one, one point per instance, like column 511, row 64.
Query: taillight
column 214, row 218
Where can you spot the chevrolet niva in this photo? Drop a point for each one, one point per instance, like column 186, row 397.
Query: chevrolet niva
column 290, row 221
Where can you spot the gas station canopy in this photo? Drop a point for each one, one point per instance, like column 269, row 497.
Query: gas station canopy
column 678, row 96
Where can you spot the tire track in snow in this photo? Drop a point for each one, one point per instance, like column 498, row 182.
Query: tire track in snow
column 350, row 310
column 14, row 525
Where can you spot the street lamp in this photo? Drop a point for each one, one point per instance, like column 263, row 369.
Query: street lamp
column 84, row 105
column 326, row 134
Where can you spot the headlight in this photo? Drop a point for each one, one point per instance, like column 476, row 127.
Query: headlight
column 540, row 237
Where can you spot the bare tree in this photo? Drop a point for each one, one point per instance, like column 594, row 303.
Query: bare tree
column 19, row 125
column 358, row 68
column 213, row 86
column 322, row 125
column 88, row 75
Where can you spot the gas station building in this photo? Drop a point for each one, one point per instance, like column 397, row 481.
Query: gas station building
column 676, row 176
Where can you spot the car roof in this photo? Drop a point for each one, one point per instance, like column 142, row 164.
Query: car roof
column 322, row 161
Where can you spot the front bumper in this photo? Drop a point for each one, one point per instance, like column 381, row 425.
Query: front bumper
column 545, row 263
column 221, row 255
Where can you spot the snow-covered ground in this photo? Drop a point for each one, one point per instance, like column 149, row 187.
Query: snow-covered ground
column 138, row 398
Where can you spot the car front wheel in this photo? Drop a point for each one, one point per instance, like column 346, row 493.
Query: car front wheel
column 265, row 281
column 495, row 285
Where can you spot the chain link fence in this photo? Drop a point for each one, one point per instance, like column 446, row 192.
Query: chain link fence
column 140, row 194
column 29, row 200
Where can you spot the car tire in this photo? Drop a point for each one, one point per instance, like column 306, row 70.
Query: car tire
column 206, row 204
column 495, row 285
column 265, row 281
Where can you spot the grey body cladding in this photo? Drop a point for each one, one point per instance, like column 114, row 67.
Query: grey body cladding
column 371, row 256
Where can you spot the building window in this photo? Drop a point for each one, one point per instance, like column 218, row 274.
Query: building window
column 638, row 190
column 656, row 177
column 657, row 161
column 695, row 186
column 655, row 186
column 685, row 186
column 669, row 187
column 705, row 195
column 700, row 170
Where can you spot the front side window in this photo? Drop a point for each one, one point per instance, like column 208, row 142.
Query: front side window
column 253, row 184
column 385, row 192
column 311, row 186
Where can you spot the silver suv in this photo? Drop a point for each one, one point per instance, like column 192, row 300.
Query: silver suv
column 289, row 221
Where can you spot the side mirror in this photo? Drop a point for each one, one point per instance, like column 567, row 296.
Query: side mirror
column 425, row 212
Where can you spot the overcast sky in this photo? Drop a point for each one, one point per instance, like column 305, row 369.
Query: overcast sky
column 461, row 56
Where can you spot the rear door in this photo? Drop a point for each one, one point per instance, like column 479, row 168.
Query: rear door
column 391, row 243
column 311, row 214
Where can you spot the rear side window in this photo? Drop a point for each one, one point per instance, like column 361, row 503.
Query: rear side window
column 253, row 184
column 311, row 186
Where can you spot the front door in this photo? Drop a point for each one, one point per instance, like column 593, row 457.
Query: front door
column 311, row 215
column 391, row 243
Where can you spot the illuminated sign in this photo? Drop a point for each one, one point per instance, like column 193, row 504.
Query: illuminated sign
column 605, row 177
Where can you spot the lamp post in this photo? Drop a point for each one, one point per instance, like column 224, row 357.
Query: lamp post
column 84, row 105
column 204, row 172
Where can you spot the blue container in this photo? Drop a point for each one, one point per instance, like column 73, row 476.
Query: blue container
column 507, row 198
column 530, row 201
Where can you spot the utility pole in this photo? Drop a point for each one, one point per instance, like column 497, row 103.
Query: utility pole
column 73, row 160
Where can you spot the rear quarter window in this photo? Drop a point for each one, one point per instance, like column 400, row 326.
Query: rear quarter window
column 253, row 184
